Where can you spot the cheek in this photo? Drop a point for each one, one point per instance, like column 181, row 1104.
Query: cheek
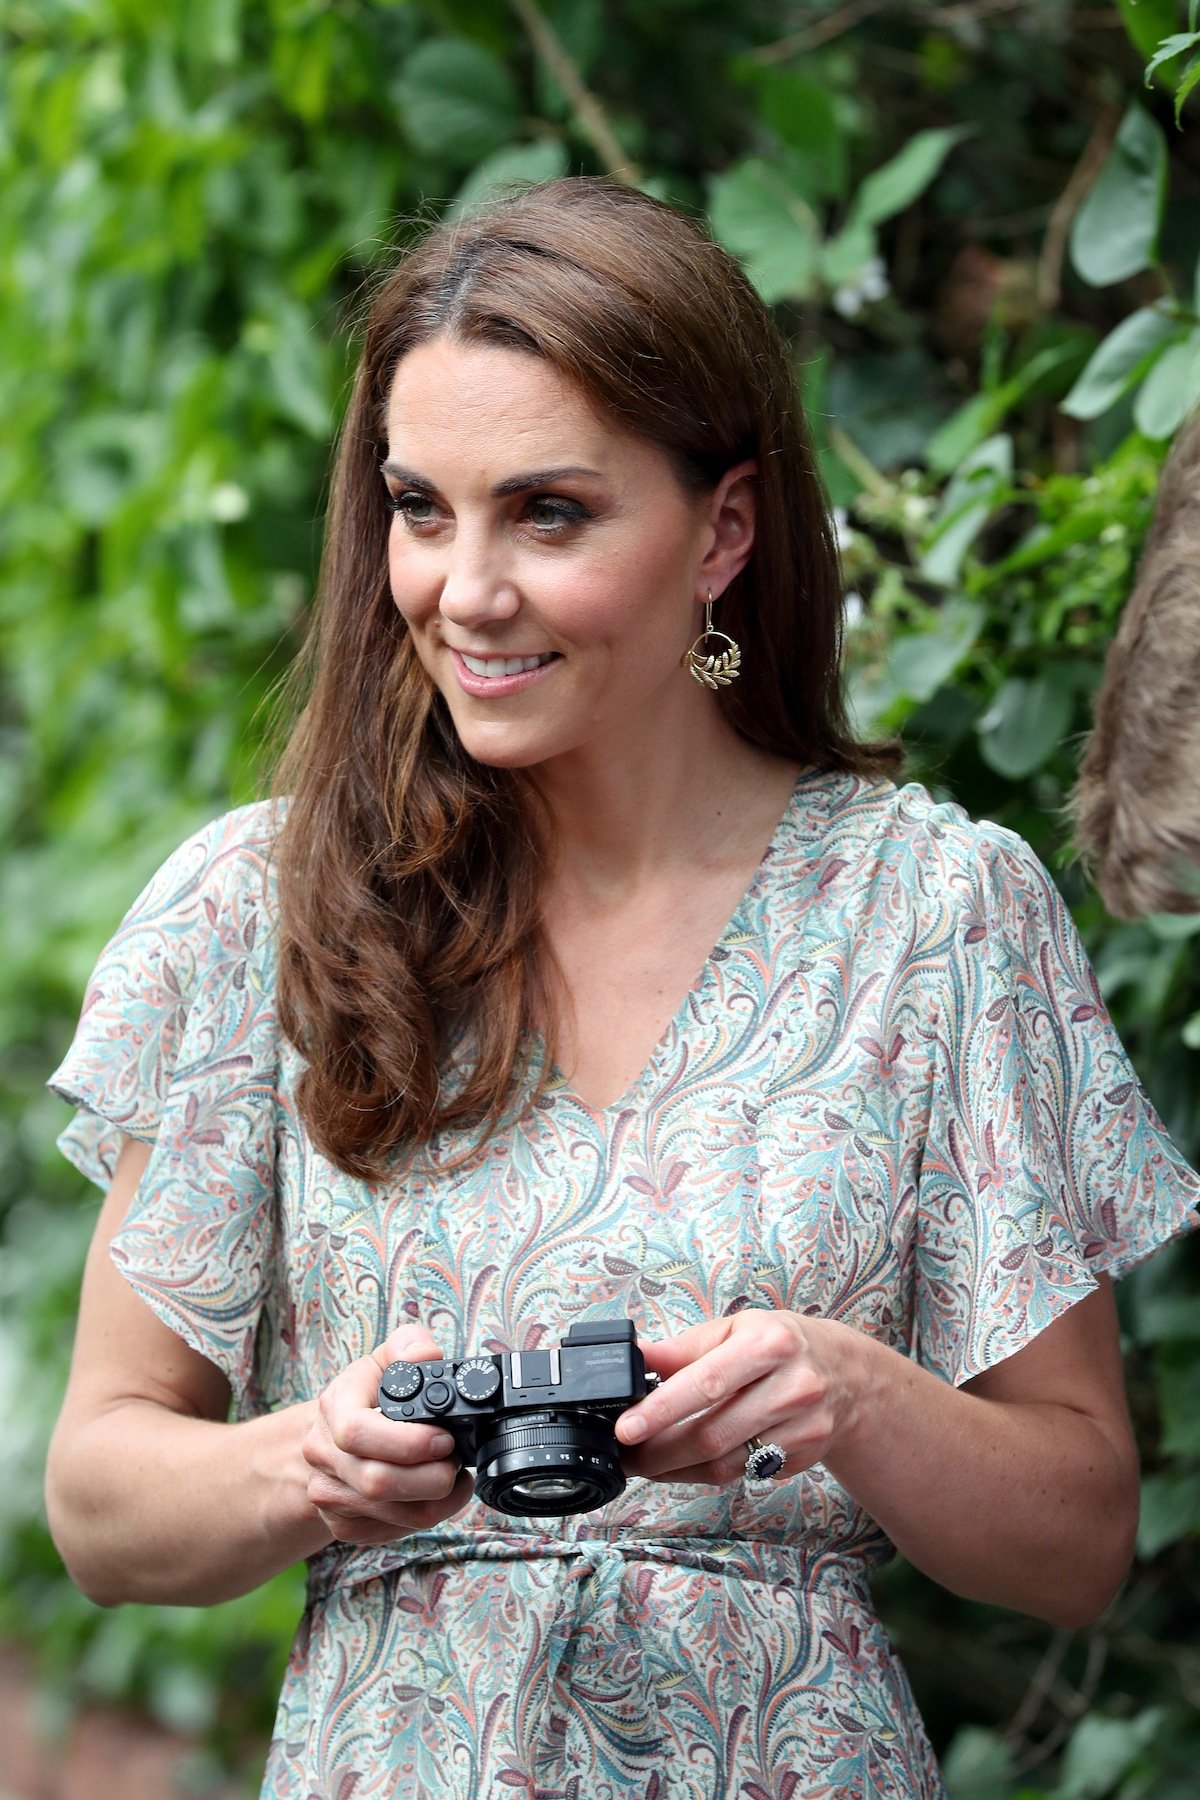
column 409, row 593
column 635, row 597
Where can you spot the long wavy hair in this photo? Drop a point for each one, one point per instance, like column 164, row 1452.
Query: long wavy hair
column 413, row 974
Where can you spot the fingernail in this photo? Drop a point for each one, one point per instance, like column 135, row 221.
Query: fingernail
column 633, row 1429
column 441, row 1444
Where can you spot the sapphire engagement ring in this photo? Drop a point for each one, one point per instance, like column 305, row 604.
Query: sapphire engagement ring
column 764, row 1461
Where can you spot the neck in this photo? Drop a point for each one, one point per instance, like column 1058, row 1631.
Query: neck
column 645, row 810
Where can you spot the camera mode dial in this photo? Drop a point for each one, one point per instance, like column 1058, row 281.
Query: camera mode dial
column 401, row 1380
column 477, row 1379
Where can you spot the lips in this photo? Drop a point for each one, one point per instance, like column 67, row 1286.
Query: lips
column 492, row 668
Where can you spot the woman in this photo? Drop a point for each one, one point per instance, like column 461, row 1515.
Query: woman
column 575, row 986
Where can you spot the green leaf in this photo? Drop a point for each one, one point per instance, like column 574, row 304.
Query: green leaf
column 846, row 255
column 459, row 102
column 1025, row 724
column 1101, row 1751
column 896, row 185
column 1170, row 390
column 979, row 1765
column 1170, row 48
column 1170, row 1510
column 1116, row 228
column 510, row 167
column 768, row 225
column 803, row 116
column 1046, row 541
column 1178, row 1373
column 984, row 412
column 1119, row 361
column 1147, row 22
column 1165, row 1318
column 1187, row 81
column 978, row 487
column 969, row 426
column 921, row 661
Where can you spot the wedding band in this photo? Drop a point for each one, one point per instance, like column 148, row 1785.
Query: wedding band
column 764, row 1461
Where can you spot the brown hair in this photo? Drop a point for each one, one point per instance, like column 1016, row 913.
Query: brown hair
column 412, row 969
column 1137, row 808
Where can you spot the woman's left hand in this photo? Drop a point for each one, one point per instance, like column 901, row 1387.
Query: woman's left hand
column 789, row 1379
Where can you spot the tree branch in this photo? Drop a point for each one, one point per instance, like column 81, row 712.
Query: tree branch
column 590, row 115
column 844, row 19
column 1062, row 217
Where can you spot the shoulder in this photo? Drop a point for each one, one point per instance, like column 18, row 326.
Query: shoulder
column 223, row 863
column 185, row 984
column 211, row 902
column 900, row 846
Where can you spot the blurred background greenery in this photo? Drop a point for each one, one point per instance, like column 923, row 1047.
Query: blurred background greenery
column 980, row 225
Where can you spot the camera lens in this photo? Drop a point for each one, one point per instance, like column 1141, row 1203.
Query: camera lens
column 543, row 1463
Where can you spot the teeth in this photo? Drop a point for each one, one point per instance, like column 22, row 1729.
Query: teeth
column 492, row 667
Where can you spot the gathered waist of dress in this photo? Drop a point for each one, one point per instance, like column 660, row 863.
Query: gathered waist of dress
column 795, row 1565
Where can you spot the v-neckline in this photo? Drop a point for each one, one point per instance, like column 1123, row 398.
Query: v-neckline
column 558, row 1086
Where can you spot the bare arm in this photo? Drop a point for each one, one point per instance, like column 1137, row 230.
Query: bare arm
column 152, row 1495
column 1019, row 1488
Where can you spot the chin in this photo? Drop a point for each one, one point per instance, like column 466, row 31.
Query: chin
column 507, row 746
column 503, row 756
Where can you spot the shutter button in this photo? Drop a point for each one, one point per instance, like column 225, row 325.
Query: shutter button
column 438, row 1396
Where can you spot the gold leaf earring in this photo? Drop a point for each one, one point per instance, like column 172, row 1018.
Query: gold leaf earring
column 716, row 668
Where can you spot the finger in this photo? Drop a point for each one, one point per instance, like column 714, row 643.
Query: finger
column 714, row 1438
column 353, row 1396
column 726, row 1471
column 355, row 1390
column 669, row 1355
column 722, row 1473
column 408, row 1343
column 697, row 1387
column 375, row 1438
column 355, row 1435
column 770, row 1325
column 690, row 1445
column 349, row 1525
column 381, row 1490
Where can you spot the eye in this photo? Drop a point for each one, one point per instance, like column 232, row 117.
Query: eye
column 413, row 507
column 550, row 513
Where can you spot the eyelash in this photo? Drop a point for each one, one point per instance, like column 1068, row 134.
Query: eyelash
column 567, row 513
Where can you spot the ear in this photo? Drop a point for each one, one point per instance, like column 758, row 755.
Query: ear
column 731, row 510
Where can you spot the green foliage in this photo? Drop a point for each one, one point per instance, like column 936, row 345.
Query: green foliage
column 1116, row 228
column 1179, row 44
column 192, row 199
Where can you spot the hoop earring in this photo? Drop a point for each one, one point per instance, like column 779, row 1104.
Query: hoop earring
column 719, row 668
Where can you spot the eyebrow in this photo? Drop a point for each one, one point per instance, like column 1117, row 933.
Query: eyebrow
column 513, row 484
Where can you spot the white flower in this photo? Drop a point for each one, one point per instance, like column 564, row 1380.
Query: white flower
column 873, row 279
column 870, row 283
column 228, row 502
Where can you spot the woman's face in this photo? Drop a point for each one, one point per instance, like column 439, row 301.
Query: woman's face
column 548, row 565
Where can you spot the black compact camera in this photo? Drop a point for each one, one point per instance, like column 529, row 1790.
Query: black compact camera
column 536, row 1425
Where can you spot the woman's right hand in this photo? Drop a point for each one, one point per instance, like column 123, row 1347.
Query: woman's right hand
column 372, row 1478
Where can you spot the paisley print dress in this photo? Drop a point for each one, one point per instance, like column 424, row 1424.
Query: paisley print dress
column 892, row 1097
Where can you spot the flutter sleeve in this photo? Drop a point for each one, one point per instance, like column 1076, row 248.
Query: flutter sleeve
column 177, row 1046
column 1045, row 1163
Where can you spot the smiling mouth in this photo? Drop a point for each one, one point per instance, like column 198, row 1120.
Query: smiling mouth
column 491, row 668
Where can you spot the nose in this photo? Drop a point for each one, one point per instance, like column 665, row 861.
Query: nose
column 476, row 589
